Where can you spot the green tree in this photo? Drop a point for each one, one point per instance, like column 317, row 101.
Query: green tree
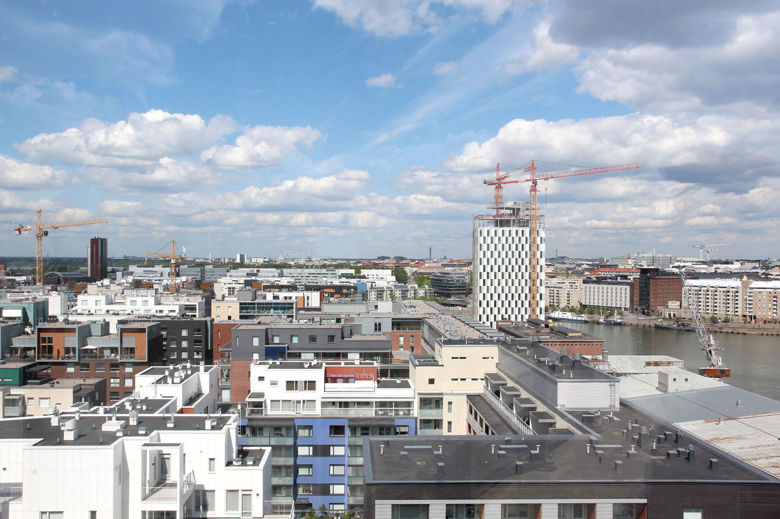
column 713, row 319
column 726, row 320
column 400, row 275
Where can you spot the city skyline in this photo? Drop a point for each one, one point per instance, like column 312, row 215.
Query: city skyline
column 360, row 129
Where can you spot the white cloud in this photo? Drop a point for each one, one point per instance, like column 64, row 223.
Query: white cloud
column 446, row 68
column 141, row 140
column 547, row 53
column 21, row 175
column 383, row 81
column 401, row 17
column 7, row 73
column 262, row 146
column 120, row 207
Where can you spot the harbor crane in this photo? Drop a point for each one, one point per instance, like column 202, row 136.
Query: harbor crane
column 173, row 257
column 715, row 367
column 707, row 249
column 41, row 231
column 533, row 210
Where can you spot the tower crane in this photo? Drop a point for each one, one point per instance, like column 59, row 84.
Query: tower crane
column 173, row 257
column 708, row 249
column 533, row 211
column 707, row 342
column 41, row 231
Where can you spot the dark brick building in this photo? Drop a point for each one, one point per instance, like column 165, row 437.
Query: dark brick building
column 654, row 289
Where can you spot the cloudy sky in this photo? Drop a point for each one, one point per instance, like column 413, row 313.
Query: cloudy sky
column 365, row 127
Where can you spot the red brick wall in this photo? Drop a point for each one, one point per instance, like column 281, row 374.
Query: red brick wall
column 221, row 336
column 663, row 290
column 581, row 347
column 239, row 380
column 395, row 341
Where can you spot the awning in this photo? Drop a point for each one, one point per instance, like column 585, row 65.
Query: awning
column 89, row 347
column 39, row 368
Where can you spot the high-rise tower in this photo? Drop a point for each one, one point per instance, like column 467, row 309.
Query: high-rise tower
column 97, row 258
column 501, row 280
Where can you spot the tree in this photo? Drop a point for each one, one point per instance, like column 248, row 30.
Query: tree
column 714, row 319
column 401, row 275
column 726, row 319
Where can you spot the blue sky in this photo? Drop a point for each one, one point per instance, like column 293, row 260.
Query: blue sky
column 365, row 127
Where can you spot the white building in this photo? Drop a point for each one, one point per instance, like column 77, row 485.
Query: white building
column 501, row 277
column 292, row 388
column 718, row 297
column 562, row 292
column 130, row 465
column 610, row 295
column 195, row 388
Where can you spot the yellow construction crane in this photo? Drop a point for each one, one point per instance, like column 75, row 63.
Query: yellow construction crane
column 173, row 257
column 41, row 231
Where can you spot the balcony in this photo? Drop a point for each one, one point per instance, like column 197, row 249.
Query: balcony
column 347, row 412
column 283, row 460
column 355, row 480
column 355, row 500
column 282, row 480
column 430, row 432
column 355, row 460
column 431, row 413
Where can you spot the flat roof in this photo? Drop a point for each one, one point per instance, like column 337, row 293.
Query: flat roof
column 497, row 422
column 569, row 458
column 15, row 364
column 40, row 428
column 550, row 362
column 393, row 383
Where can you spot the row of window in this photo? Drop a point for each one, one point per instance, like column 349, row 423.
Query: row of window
column 530, row 511
column 99, row 368
column 308, row 470
column 333, row 450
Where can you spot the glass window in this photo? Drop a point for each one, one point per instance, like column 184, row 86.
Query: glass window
column 409, row 512
column 114, row 382
column 44, row 402
column 337, row 450
column 337, row 490
column 331, row 339
column 628, row 510
column 304, row 450
column 304, row 489
column 212, row 464
column 305, row 431
column 128, row 368
column 255, row 341
column 518, row 511
column 449, row 407
column 305, row 470
column 692, row 513
column 572, row 511
column 185, row 332
column 70, row 368
column 231, row 500
column 464, row 511
column 294, row 339
column 312, row 338
column 337, row 430
column 337, row 470
column 275, row 339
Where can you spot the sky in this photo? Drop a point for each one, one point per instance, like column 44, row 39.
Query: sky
column 357, row 128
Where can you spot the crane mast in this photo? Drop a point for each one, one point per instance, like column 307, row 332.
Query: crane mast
column 173, row 257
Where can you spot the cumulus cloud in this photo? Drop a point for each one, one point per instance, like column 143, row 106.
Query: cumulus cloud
column 402, row 17
column 262, row 146
column 120, row 207
column 142, row 139
column 383, row 81
column 21, row 175
column 546, row 54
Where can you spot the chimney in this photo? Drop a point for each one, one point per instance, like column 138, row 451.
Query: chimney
column 133, row 417
column 71, row 430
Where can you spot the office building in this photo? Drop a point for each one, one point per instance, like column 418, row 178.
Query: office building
column 501, row 278
column 97, row 259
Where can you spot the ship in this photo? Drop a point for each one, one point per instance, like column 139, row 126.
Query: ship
column 611, row 321
column 567, row 316
column 681, row 327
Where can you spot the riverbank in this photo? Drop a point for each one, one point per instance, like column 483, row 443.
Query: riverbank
column 732, row 328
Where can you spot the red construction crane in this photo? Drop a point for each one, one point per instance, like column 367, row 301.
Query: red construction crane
column 533, row 210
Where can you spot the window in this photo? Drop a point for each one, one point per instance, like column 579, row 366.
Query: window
column 185, row 354
column 51, row 515
column 305, row 431
column 84, row 367
column 464, row 511
column 255, row 341
column 573, row 511
column 337, row 430
column 30, row 401
column 449, row 407
column 113, row 395
column 114, row 382
column 304, row 489
column 337, row 470
column 185, row 332
column 44, row 402
column 231, row 500
column 275, row 339
column 128, row 368
column 304, row 450
column 431, row 381
column 128, row 382
column 305, row 470
column 70, row 368
column 401, row 340
column 378, row 326
column 294, row 339
column 411, row 340
column 312, row 339
column 212, row 464
column 93, row 514
column 337, row 450
column 114, row 368
column 692, row 513
column 185, row 344
column 449, row 426
column 336, row 507
column 100, row 368
column 409, row 512
column 336, row 490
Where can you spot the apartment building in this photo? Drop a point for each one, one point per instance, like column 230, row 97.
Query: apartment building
column 745, row 299
column 130, row 465
column 562, row 292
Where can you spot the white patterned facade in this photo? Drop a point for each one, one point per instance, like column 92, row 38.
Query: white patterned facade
column 501, row 281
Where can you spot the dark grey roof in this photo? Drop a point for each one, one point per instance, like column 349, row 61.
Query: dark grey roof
column 397, row 383
column 704, row 404
column 547, row 361
column 492, row 459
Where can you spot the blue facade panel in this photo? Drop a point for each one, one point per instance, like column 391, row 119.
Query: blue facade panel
column 321, row 441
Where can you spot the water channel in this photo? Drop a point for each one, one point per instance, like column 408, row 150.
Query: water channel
column 754, row 360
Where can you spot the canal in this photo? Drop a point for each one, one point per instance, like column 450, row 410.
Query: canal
column 754, row 360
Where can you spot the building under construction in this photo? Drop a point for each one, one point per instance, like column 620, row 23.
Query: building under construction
column 501, row 269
